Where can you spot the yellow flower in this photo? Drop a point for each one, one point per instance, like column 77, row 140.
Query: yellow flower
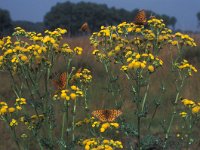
column 124, row 68
column 1, row 58
column 63, row 95
column 151, row 68
column 137, row 65
column 116, row 125
column 129, row 29
column 67, row 98
column 138, row 30
column 129, row 59
column 137, row 56
column 143, row 65
column 95, row 52
column 78, row 50
column 174, row 42
column 105, row 125
column 73, row 87
column 24, row 135
column 117, row 48
column 3, row 110
column 102, row 129
column 73, row 96
column 18, row 107
column 48, row 39
column 87, row 147
column 96, row 123
column 13, row 122
column 106, row 141
column 196, row 109
column 11, row 109
column 111, row 53
column 187, row 102
column 21, row 101
column 24, row 58
column 183, row 114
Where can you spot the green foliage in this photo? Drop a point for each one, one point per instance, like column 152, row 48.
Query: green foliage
column 198, row 17
column 29, row 26
column 5, row 23
column 72, row 16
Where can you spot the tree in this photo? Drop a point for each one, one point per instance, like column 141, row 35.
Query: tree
column 72, row 16
column 5, row 23
column 29, row 26
column 173, row 21
column 198, row 17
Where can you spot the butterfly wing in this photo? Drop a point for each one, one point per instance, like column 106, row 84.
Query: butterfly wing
column 100, row 114
column 113, row 114
column 106, row 115
column 61, row 82
column 140, row 18
column 85, row 27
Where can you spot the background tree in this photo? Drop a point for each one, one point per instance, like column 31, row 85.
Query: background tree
column 198, row 17
column 29, row 26
column 72, row 16
column 5, row 23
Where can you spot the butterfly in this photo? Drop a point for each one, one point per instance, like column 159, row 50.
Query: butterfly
column 61, row 82
column 107, row 115
column 140, row 18
column 85, row 27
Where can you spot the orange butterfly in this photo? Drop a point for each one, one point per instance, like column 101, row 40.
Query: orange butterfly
column 107, row 115
column 85, row 27
column 140, row 18
column 61, row 82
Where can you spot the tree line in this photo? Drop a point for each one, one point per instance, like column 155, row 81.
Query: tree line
column 72, row 15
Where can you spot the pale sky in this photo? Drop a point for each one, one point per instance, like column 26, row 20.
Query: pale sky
column 184, row 10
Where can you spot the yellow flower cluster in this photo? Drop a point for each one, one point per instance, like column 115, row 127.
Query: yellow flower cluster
column 36, row 117
column 156, row 23
column 83, row 76
column 19, row 103
column 13, row 123
column 4, row 108
column 182, row 39
column 85, row 121
column 32, row 121
column 78, row 50
column 65, row 48
column 69, row 94
column 101, row 144
column 195, row 107
column 105, row 126
column 186, row 67
column 132, row 46
column 141, row 61
column 57, row 33
column 32, row 48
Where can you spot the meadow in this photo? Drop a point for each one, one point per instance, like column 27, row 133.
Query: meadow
column 110, row 89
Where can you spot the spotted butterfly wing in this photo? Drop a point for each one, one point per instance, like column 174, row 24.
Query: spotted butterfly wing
column 61, row 82
column 106, row 115
column 140, row 18
column 100, row 114
column 113, row 115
